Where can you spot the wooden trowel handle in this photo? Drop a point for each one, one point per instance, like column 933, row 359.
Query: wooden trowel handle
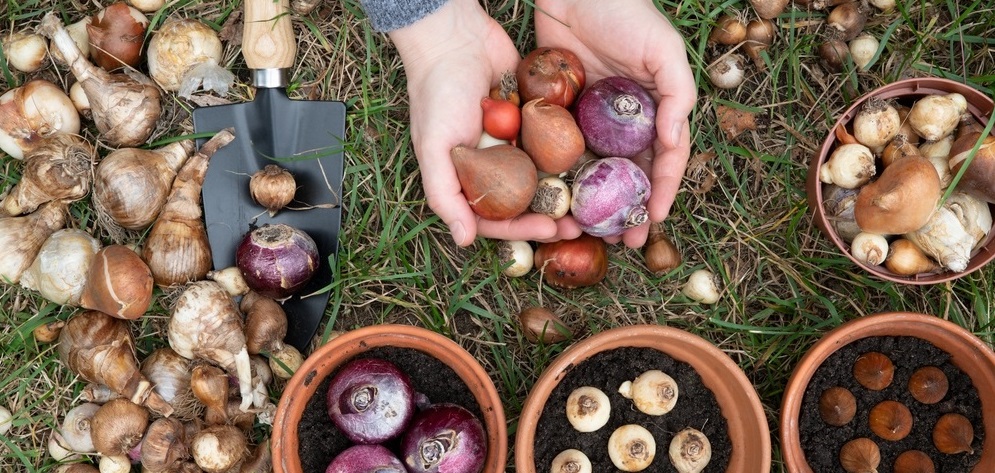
column 268, row 40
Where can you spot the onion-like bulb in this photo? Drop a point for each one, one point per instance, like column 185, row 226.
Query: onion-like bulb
column 170, row 376
column 21, row 238
column 118, row 283
column 265, row 324
column 176, row 248
column 937, row 115
column 273, row 187
column 653, row 392
column 130, row 185
column 954, row 230
column 209, row 385
column 218, row 448
column 184, row 54
column 31, row 112
column 118, row 426
column 690, row 451
column 125, row 106
column 206, row 324
column 164, row 445
column 117, row 34
column 25, row 51
column 60, row 168
column 75, row 427
column 571, row 460
column 59, row 271
column 100, row 349
column 631, row 447
column 588, row 409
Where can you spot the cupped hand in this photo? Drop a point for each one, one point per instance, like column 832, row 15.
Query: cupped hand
column 451, row 59
column 631, row 38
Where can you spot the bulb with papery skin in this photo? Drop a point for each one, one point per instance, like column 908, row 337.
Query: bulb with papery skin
column 444, row 438
column 366, row 459
column 370, row 400
column 609, row 196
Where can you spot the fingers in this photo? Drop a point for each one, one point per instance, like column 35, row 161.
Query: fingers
column 669, row 165
column 525, row 227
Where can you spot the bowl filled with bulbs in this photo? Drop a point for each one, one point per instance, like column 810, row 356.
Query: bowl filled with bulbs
column 905, row 181
column 642, row 398
column 897, row 391
column 389, row 398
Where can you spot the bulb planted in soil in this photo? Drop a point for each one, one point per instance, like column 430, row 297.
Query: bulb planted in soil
column 860, row 455
column 874, row 370
column 953, row 434
column 928, row 385
column 890, row 420
column 913, row 461
column 837, row 406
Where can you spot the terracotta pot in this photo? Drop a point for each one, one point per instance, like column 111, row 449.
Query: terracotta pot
column 328, row 357
column 967, row 352
column 979, row 104
column 738, row 400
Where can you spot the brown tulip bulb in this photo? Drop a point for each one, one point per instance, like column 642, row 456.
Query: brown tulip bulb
column 928, row 385
column 540, row 324
column 873, row 370
column 860, row 456
column 119, row 283
column 890, row 420
column 913, row 461
column 837, row 406
column 953, row 434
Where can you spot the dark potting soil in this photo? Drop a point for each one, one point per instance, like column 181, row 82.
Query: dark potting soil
column 321, row 441
column 696, row 407
column 821, row 442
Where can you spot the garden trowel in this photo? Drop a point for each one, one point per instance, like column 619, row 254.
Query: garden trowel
column 304, row 137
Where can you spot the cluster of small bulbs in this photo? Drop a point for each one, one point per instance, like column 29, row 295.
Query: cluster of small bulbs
column 891, row 420
column 631, row 447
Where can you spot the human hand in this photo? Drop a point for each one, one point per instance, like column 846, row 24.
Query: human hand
column 632, row 38
column 451, row 59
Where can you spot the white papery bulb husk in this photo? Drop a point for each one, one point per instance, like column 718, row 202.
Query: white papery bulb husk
column 954, row 231
column 177, row 46
column 59, row 271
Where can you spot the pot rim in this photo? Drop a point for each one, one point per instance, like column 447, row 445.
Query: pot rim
column 978, row 104
column 718, row 371
column 326, row 358
column 969, row 352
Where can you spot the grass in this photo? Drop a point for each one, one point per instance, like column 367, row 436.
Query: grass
column 742, row 211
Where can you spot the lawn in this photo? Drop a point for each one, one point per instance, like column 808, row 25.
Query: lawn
column 741, row 212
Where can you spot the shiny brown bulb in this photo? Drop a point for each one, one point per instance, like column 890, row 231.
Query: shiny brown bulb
column 837, row 406
column 913, row 461
column 860, row 455
column 890, row 420
column 953, row 434
column 873, row 370
column 928, row 385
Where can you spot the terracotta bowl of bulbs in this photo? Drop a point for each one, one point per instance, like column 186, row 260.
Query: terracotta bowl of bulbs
column 329, row 357
column 967, row 352
column 906, row 92
column 737, row 399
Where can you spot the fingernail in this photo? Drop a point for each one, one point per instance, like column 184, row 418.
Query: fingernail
column 458, row 232
column 675, row 134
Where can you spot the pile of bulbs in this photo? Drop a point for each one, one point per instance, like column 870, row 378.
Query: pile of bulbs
column 631, row 447
column 188, row 406
column 885, row 179
column 890, row 420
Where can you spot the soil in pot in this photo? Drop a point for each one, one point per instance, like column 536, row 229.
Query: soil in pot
column 696, row 407
column 321, row 441
column 822, row 442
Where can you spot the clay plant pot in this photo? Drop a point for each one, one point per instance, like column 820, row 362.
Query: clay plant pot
column 979, row 105
column 968, row 353
column 327, row 358
column 738, row 400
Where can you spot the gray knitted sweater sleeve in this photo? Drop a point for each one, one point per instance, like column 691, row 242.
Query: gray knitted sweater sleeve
column 389, row 15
